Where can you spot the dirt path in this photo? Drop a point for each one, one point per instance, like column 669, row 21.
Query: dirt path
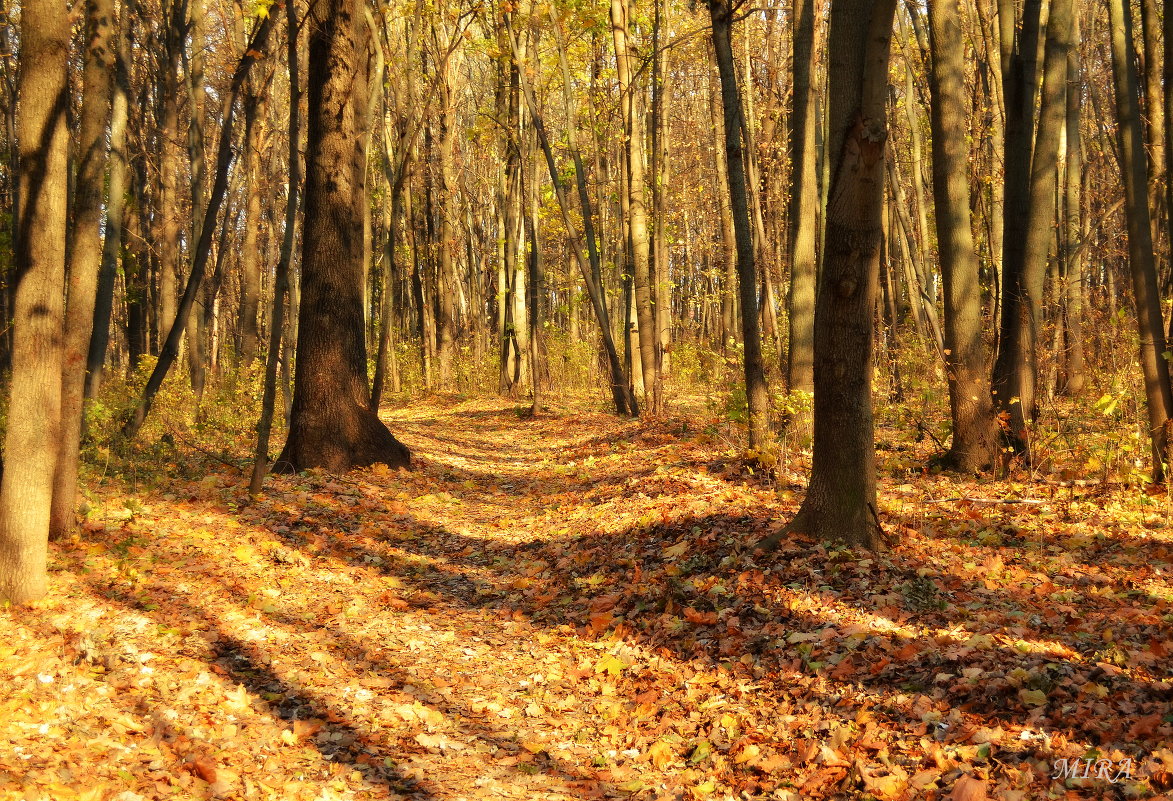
column 562, row 608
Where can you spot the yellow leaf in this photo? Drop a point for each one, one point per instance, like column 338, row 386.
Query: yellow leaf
column 661, row 754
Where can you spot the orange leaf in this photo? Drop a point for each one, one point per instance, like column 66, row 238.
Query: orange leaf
column 205, row 768
column 699, row 618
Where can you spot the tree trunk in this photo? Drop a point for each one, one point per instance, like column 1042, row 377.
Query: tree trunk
column 1073, row 259
column 250, row 259
column 84, row 258
column 725, row 215
column 975, row 441
column 34, row 403
column 637, row 222
column 840, row 502
column 1130, row 138
column 331, row 425
column 721, row 13
column 804, row 204
column 115, row 214
column 281, row 277
column 1014, row 375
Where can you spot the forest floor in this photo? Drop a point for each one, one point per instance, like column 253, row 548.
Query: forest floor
column 571, row 607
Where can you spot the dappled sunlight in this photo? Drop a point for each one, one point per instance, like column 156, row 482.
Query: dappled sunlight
column 573, row 607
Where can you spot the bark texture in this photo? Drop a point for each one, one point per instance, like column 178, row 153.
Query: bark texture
column 34, row 406
column 975, row 440
column 331, row 425
column 840, row 502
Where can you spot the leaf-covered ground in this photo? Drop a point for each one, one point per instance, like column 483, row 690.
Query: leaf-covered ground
column 571, row 607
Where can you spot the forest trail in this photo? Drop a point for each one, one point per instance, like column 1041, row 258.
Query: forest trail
column 570, row 607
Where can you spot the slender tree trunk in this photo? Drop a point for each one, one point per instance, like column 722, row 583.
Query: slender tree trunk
column 1073, row 258
column 281, row 277
column 250, row 256
column 590, row 267
column 446, row 274
column 34, row 402
column 725, row 214
column 83, row 258
column 332, row 425
column 115, row 214
column 975, row 441
column 721, row 14
column 804, row 204
column 840, row 502
column 1013, row 384
column 637, row 222
column 1142, row 264
column 661, row 98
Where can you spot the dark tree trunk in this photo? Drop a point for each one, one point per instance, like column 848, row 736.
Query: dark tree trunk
column 975, row 433
column 1130, row 137
column 840, row 502
column 281, row 277
column 332, row 425
column 721, row 14
column 34, row 401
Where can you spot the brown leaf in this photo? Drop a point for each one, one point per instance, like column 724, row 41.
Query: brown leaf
column 968, row 788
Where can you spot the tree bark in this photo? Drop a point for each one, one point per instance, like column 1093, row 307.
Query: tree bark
column 721, row 14
column 34, row 403
column 332, row 425
column 975, row 441
column 115, row 213
column 804, row 204
column 281, row 277
column 840, row 502
column 1130, row 139
column 83, row 257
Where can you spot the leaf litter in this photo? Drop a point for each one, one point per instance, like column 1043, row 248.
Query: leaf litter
column 572, row 607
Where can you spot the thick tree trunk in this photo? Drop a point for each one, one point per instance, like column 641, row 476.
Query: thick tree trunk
column 840, row 502
column 332, row 425
column 84, row 258
column 721, row 14
column 975, row 433
column 34, row 402
column 1142, row 264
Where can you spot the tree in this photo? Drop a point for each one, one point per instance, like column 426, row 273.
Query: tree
column 1130, row 137
column 804, row 203
column 840, row 501
column 34, row 405
column 84, row 257
column 332, row 424
column 975, row 440
column 721, row 14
